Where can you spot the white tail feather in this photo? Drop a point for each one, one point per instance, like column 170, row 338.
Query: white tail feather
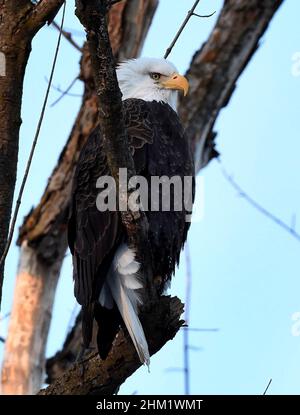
column 123, row 281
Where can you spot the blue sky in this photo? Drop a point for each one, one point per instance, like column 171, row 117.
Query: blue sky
column 245, row 268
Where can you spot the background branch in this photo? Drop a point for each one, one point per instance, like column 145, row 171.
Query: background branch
column 186, row 343
column 181, row 29
column 68, row 36
column 242, row 193
column 65, row 92
column 267, row 388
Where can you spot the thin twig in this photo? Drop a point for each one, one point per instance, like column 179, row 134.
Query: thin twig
column 203, row 16
column 186, row 347
column 189, row 15
column 34, row 143
column 266, row 390
column 257, row 206
column 68, row 36
column 65, row 92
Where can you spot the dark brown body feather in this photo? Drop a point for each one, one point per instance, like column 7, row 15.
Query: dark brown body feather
column 159, row 147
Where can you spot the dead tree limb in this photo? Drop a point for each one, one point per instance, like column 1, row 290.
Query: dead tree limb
column 103, row 378
column 43, row 235
column 213, row 73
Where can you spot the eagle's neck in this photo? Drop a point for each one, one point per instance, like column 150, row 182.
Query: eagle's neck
column 150, row 94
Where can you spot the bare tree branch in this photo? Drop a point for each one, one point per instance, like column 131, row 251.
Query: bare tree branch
column 186, row 345
column 68, row 36
column 242, row 193
column 104, row 377
column 182, row 27
column 267, row 388
column 66, row 92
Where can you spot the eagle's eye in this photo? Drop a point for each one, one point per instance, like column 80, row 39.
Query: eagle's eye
column 156, row 76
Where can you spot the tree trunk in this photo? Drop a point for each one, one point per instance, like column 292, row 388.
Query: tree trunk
column 15, row 52
column 35, row 288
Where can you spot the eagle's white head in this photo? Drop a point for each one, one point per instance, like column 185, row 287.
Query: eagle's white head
column 151, row 79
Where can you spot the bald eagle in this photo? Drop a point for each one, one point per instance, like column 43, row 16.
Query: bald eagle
column 107, row 278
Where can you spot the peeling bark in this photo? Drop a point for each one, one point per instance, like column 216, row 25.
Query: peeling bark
column 33, row 292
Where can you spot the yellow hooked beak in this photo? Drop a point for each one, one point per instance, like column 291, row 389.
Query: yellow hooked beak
column 178, row 82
